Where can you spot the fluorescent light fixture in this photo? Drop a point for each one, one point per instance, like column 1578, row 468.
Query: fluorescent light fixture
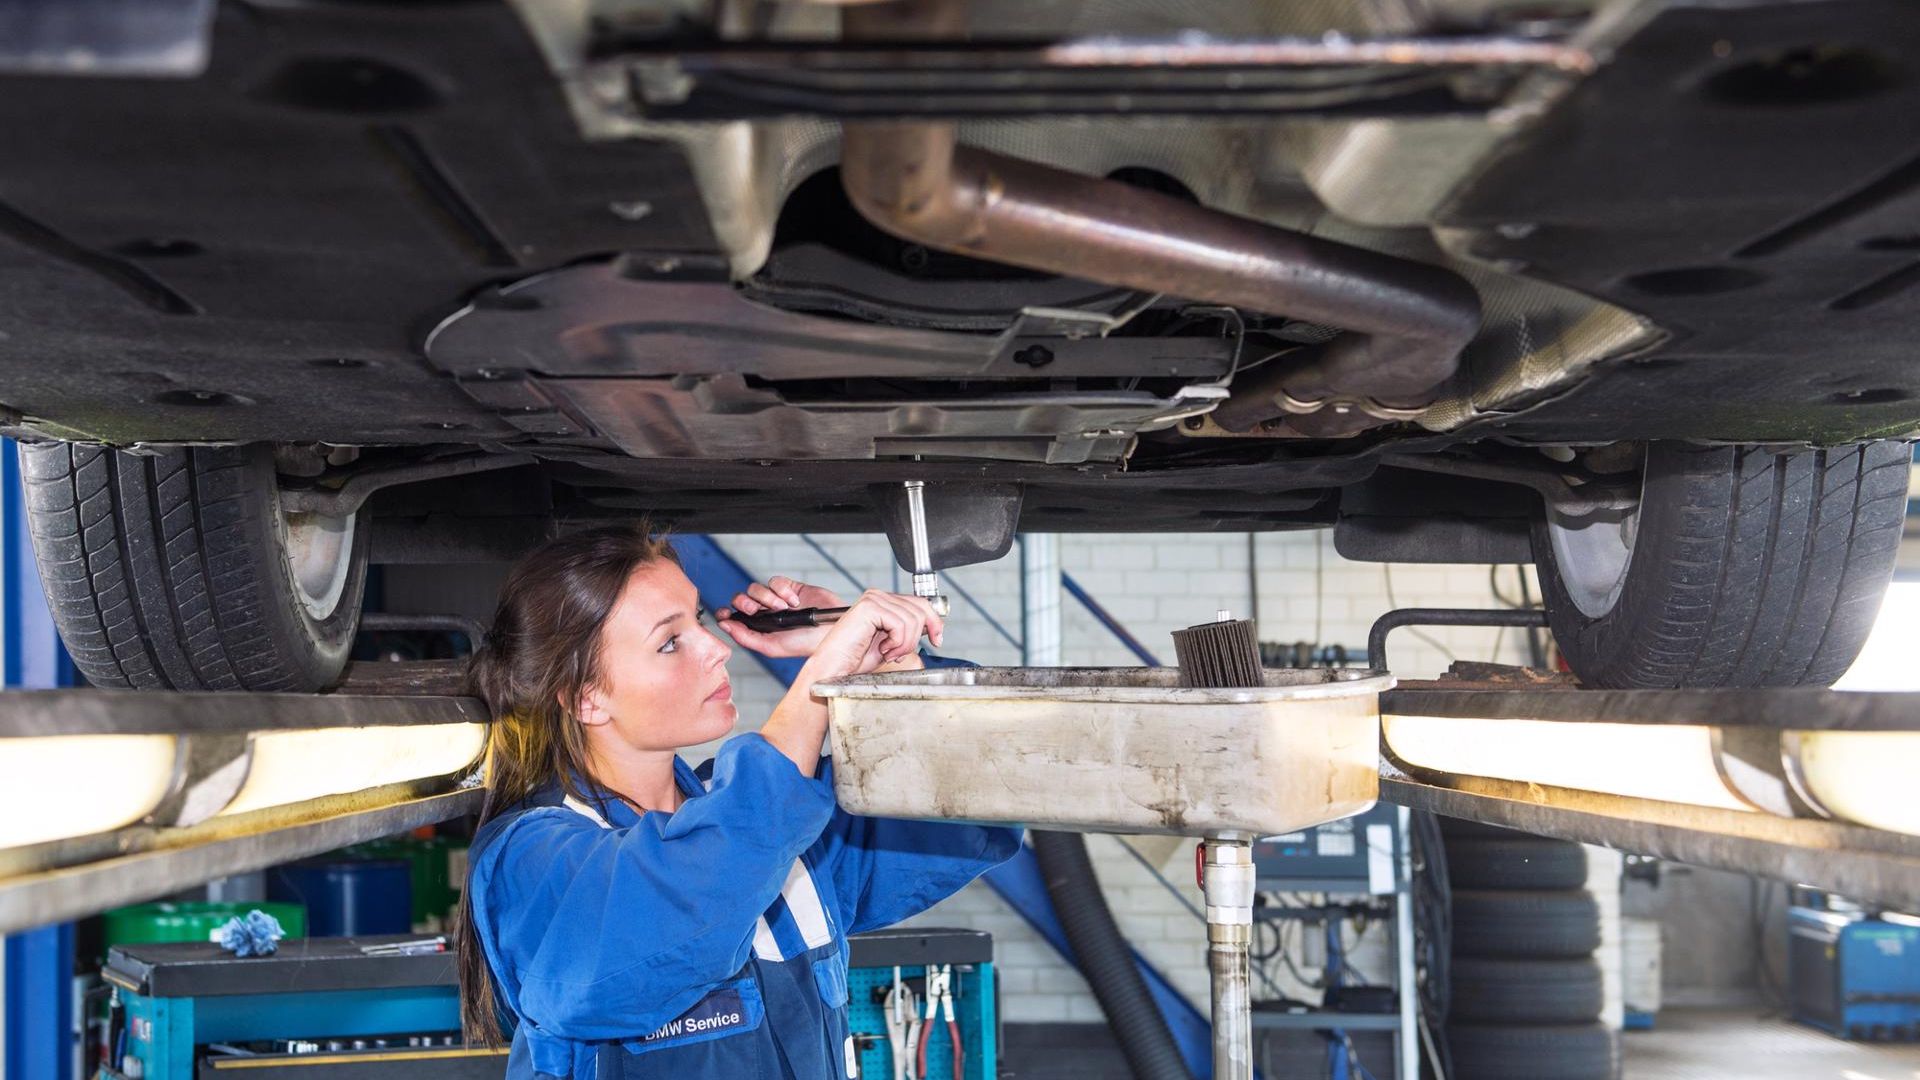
column 1867, row 777
column 61, row 786
column 1864, row 777
column 294, row 766
column 1641, row 761
column 71, row 785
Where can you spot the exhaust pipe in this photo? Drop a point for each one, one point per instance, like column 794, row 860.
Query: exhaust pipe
column 1406, row 322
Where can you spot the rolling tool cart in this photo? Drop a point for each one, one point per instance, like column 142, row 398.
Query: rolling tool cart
column 318, row 1009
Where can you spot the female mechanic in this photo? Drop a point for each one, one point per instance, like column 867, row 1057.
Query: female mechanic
column 628, row 916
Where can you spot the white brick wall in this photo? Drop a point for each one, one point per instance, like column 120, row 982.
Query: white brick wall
column 1153, row 584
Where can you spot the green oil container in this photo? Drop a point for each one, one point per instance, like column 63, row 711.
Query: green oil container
column 193, row 921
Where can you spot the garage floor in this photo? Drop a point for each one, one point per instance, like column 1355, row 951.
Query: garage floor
column 1701, row 1044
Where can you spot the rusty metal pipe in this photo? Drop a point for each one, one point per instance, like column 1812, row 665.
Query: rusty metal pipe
column 1406, row 321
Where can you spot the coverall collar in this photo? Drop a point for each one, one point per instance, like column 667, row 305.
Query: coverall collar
column 598, row 802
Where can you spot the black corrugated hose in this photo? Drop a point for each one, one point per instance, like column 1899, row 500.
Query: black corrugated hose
column 1104, row 957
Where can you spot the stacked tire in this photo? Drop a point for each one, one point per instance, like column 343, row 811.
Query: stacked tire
column 1526, row 992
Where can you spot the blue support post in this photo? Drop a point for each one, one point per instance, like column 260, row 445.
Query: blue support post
column 1106, row 619
column 34, row 657
column 37, row 994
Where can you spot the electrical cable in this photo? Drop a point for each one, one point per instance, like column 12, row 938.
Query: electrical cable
column 1233, row 318
column 1536, row 654
column 1266, row 955
column 1433, row 1051
column 1341, row 1060
column 1286, row 960
column 1493, row 583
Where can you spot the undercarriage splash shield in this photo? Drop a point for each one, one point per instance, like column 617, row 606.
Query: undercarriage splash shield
column 668, row 360
column 1124, row 750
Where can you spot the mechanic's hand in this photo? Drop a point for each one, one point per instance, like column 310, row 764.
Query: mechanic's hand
column 778, row 594
column 881, row 628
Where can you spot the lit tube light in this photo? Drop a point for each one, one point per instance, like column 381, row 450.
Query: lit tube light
column 294, row 766
column 1862, row 777
column 1865, row 777
column 63, row 786
column 71, row 785
column 1641, row 761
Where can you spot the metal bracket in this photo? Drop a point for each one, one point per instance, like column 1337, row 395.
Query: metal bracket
column 1185, row 75
column 1567, row 496
column 1755, row 763
column 347, row 499
column 208, row 771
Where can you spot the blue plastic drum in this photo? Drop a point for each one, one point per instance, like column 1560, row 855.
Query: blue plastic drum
column 348, row 897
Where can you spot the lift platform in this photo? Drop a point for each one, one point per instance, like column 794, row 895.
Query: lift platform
column 1764, row 825
column 64, row 879
column 1748, row 740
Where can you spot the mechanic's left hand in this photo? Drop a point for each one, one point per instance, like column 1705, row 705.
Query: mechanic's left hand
column 778, row 594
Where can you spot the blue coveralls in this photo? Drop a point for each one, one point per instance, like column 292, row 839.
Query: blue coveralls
column 711, row 942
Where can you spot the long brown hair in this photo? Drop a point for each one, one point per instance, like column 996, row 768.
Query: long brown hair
column 541, row 655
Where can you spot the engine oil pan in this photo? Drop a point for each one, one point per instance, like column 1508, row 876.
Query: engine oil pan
column 1124, row 750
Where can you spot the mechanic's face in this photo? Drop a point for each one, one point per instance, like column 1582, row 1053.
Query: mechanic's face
column 663, row 676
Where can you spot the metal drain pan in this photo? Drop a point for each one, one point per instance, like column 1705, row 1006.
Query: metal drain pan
column 1125, row 750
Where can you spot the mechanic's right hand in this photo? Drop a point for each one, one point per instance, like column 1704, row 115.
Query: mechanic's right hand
column 880, row 628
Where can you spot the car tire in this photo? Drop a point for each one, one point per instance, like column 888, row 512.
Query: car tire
column 1524, row 925
column 1540, row 1052
column 1492, row 991
column 1740, row 567
column 179, row 571
column 1520, row 862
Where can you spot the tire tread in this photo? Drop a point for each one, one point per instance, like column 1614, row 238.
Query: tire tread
column 152, row 568
column 1525, row 924
column 1754, row 568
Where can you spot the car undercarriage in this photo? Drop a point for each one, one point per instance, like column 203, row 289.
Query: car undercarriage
column 1465, row 280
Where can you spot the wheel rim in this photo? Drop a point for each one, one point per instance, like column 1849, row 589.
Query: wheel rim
column 319, row 553
column 1592, row 554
